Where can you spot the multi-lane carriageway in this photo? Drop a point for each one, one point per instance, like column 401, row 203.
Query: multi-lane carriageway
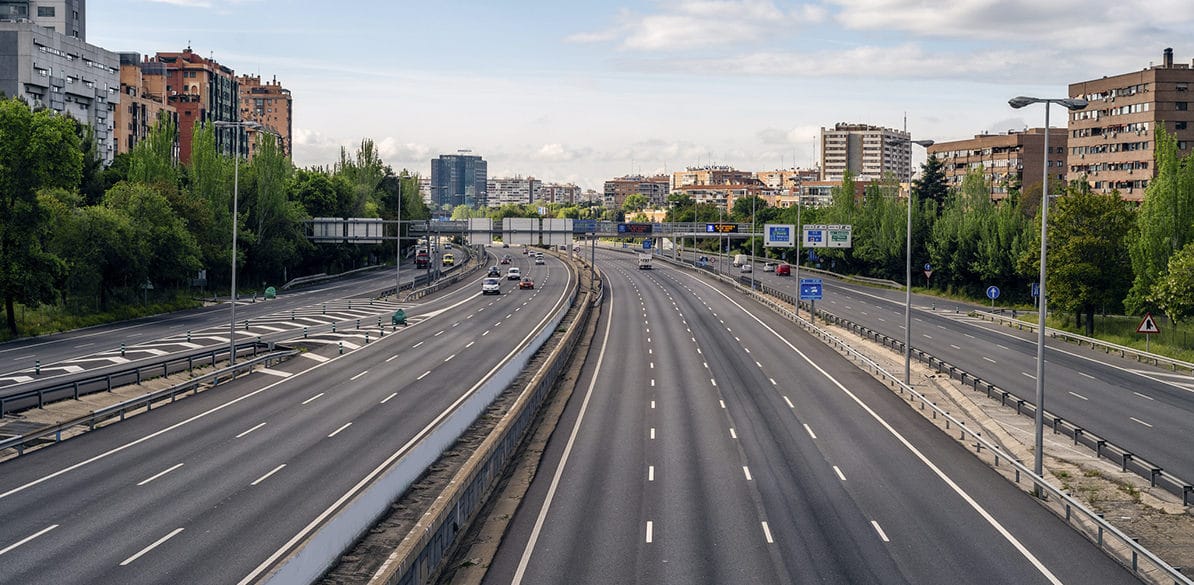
column 707, row 443
column 213, row 488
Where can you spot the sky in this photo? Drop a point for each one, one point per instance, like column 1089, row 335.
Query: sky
column 584, row 91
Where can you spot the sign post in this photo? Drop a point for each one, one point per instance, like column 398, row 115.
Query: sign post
column 928, row 273
column 1147, row 326
column 992, row 293
column 811, row 290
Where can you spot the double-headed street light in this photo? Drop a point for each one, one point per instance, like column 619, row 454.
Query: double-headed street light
column 1069, row 104
column 908, row 275
column 239, row 124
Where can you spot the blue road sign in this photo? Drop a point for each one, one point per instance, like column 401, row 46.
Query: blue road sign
column 928, row 267
column 647, row 244
column 812, row 255
column 810, row 289
column 584, row 226
column 992, row 292
column 1036, row 289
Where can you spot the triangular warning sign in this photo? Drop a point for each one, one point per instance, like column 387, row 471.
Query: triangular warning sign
column 1147, row 325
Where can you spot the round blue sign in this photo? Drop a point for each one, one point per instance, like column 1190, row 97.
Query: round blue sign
column 928, row 266
column 992, row 292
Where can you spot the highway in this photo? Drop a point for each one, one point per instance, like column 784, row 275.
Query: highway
column 707, row 445
column 148, row 338
column 214, row 487
column 1140, row 407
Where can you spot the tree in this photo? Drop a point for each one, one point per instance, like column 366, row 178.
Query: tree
column 161, row 248
column 38, row 150
column 1174, row 293
column 211, row 184
column 881, row 231
column 274, row 222
column 932, row 186
column 1088, row 257
column 635, row 202
column 152, row 161
column 364, row 173
column 1165, row 223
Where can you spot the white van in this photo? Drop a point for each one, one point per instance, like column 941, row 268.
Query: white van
column 513, row 273
column 740, row 259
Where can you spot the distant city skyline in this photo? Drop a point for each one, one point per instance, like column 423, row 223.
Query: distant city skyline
column 582, row 92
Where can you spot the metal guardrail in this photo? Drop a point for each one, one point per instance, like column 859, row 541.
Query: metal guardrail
column 1103, row 448
column 147, row 400
column 106, row 381
column 301, row 280
column 1107, row 347
column 445, row 282
column 1106, row 536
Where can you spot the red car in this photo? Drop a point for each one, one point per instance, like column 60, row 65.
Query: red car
column 526, row 282
column 783, row 270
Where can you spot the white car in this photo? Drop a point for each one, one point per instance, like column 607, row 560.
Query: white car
column 539, row 259
column 513, row 273
column 769, row 267
column 491, row 286
column 746, row 269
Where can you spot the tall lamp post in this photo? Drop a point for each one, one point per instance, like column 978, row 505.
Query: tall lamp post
column 908, row 276
column 239, row 124
column 1069, row 104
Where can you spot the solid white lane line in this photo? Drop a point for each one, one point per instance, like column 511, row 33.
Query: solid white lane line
column 1029, row 375
column 733, row 435
column 650, row 531
column 337, row 431
column 266, row 476
column 1077, row 395
column 259, row 425
column 469, row 344
column 313, row 398
column 746, row 470
column 387, row 398
column 415, row 346
column 1134, row 419
column 159, row 542
column 161, row 473
column 790, row 405
column 810, row 431
column 879, row 529
column 840, row 475
column 1145, row 396
column 423, row 375
column 449, row 358
column 652, row 433
column 28, row 538
column 358, row 375
column 650, row 473
column 767, row 533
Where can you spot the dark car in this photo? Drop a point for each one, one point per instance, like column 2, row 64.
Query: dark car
column 495, row 271
column 505, row 259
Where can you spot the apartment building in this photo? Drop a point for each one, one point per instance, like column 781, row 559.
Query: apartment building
column 1007, row 160
column 1112, row 140
column 565, row 193
column 270, row 105
column 203, row 91
column 656, row 188
column 710, row 175
column 142, row 101
column 66, row 17
column 787, row 179
column 459, row 179
column 516, row 190
column 867, row 152
column 63, row 73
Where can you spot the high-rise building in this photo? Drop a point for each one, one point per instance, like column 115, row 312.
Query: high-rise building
column 1007, row 160
column 518, row 190
column 203, row 91
column 867, row 152
column 655, row 188
column 269, row 104
column 1113, row 139
column 66, row 17
column 142, row 101
column 62, row 73
column 459, row 179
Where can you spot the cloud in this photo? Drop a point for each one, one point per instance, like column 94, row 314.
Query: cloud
column 558, row 153
column 693, row 24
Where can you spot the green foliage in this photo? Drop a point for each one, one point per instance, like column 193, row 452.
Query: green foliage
column 931, row 186
column 881, row 231
column 1165, row 223
column 152, row 160
column 635, row 202
column 1174, row 293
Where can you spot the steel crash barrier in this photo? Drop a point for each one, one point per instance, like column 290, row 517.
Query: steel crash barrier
column 1143, row 562
column 53, row 433
column 39, row 396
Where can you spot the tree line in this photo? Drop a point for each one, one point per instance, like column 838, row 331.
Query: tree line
column 88, row 238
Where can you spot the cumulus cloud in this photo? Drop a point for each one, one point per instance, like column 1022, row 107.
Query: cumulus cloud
column 690, row 24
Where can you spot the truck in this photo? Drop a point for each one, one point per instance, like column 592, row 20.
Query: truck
column 644, row 261
column 422, row 259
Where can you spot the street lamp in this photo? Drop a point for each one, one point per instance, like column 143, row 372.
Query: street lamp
column 239, row 124
column 908, row 275
column 1069, row 104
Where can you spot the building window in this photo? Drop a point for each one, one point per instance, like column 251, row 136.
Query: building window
column 45, row 12
column 1181, row 106
column 1179, row 125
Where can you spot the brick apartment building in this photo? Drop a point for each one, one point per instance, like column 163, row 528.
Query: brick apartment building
column 269, row 104
column 1112, row 140
column 1006, row 159
column 656, row 188
column 142, row 100
column 202, row 91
